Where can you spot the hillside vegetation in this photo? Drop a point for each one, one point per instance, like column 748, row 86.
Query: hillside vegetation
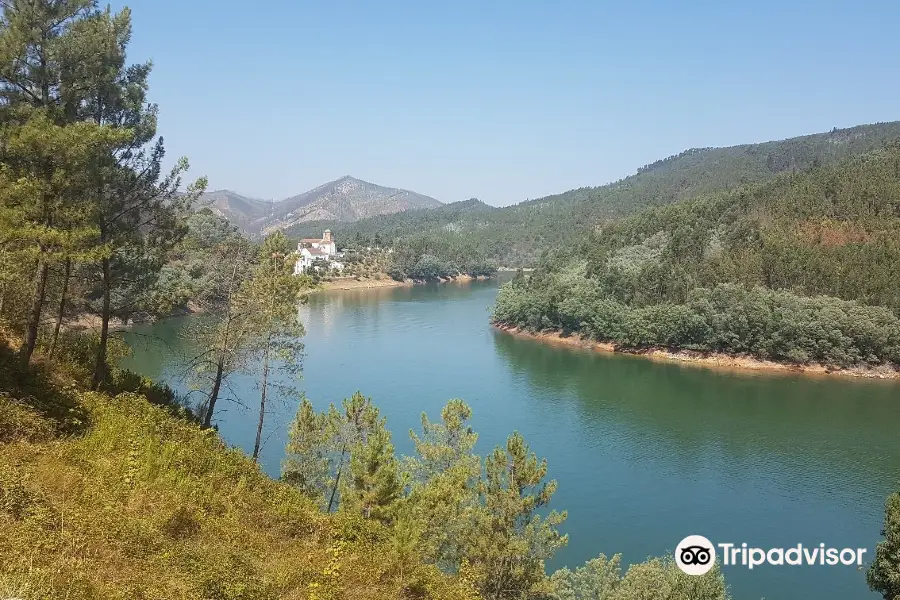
column 103, row 495
column 799, row 269
column 518, row 235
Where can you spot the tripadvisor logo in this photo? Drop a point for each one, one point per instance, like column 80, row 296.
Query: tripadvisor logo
column 696, row 555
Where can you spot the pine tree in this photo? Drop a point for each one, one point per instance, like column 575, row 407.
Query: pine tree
column 512, row 541
column 64, row 235
column 320, row 455
column 443, row 445
column 223, row 337
column 138, row 209
column 883, row 575
column 444, row 476
column 36, row 37
column 80, row 170
column 271, row 297
column 308, row 465
column 374, row 485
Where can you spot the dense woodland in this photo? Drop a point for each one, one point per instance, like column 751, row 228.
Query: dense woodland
column 517, row 236
column 799, row 269
column 113, row 487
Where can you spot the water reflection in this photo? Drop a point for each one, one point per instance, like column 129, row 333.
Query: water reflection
column 818, row 424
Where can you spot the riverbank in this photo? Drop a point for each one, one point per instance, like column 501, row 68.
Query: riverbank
column 352, row 283
column 86, row 321
column 707, row 359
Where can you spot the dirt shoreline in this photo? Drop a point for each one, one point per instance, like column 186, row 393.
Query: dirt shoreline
column 708, row 359
column 86, row 321
column 352, row 283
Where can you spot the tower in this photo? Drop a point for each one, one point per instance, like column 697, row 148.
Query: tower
column 326, row 237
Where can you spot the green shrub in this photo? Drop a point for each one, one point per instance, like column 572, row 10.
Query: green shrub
column 159, row 394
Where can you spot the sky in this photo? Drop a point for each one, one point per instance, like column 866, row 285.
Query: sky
column 502, row 101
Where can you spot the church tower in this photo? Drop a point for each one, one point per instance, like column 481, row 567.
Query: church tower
column 328, row 242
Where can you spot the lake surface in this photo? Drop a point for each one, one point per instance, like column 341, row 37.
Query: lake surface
column 645, row 453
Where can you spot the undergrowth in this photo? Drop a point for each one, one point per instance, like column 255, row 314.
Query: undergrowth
column 111, row 496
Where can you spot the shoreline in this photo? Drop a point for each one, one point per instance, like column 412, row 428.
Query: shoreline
column 86, row 321
column 707, row 359
column 351, row 283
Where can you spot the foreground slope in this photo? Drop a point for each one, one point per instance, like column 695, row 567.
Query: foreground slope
column 517, row 235
column 112, row 497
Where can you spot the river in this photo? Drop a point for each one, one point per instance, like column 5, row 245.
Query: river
column 645, row 452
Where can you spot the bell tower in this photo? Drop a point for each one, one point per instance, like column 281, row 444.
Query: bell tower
column 326, row 237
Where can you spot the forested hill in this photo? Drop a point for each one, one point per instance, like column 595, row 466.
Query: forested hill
column 801, row 268
column 516, row 235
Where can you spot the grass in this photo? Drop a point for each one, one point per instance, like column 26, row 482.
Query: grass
column 109, row 496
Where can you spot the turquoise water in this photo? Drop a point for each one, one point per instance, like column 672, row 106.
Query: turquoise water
column 645, row 453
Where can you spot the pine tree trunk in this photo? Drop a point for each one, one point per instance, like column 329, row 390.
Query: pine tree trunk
column 214, row 394
column 62, row 308
column 100, row 362
column 34, row 314
column 337, row 479
column 220, row 364
column 265, row 373
column 262, row 400
column 40, row 278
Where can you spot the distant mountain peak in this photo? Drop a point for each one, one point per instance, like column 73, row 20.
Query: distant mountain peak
column 344, row 199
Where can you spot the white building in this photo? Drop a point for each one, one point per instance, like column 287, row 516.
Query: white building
column 312, row 250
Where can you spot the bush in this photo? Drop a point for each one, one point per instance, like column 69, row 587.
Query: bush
column 430, row 267
column 602, row 579
column 397, row 274
column 123, row 380
column 883, row 575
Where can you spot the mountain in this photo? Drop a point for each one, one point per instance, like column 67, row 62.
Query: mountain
column 451, row 217
column 342, row 200
column 246, row 213
column 517, row 235
column 346, row 199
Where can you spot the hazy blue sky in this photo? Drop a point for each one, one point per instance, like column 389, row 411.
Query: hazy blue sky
column 500, row 100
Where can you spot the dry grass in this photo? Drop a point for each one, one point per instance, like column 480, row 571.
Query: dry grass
column 138, row 504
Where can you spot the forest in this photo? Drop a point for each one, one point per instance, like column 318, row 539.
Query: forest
column 800, row 269
column 111, row 486
column 517, row 236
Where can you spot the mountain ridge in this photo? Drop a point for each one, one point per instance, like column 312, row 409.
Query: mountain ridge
column 516, row 235
column 345, row 199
